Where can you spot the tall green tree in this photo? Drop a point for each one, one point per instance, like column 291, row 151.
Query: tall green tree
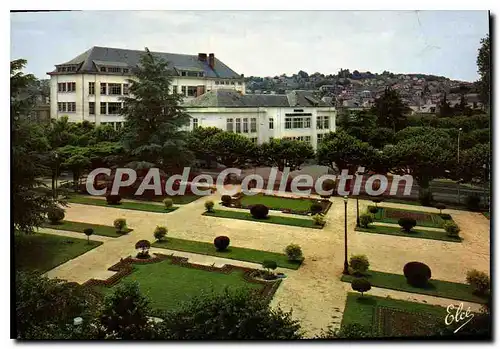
column 484, row 70
column 445, row 110
column 390, row 110
column 197, row 142
column 154, row 116
column 31, row 199
column 285, row 153
column 230, row 149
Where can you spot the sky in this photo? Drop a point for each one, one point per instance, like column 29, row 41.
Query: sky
column 265, row 43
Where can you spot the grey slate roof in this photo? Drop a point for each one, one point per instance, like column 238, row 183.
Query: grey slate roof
column 132, row 57
column 232, row 98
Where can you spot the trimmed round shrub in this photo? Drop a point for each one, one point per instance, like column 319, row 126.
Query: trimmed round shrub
column 269, row 265
column 365, row 220
column 221, row 243
column 316, row 208
column 209, row 206
column 472, row 202
column 160, row 232
column 451, row 228
column 168, row 203
column 143, row 246
column 88, row 231
column 377, row 201
column 328, row 184
column 361, row 285
column 113, row 199
column 55, row 215
column 373, row 209
column 294, row 252
column 417, row 274
column 319, row 219
column 359, row 264
column 226, row 200
column 120, row 224
column 259, row 211
column 479, row 280
column 440, row 207
column 407, row 223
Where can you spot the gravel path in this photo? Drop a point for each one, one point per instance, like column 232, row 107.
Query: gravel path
column 314, row 291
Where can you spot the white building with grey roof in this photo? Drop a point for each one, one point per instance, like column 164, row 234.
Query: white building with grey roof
column 297, row 115
column 89, row 86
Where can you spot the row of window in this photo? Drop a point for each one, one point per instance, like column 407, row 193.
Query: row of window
column 227, row 82
column 192, row 73
column 116, row 125
column 297, row 122
column 114, row 70
column 64, row 69
column 107, row 108
column 110, row 89
column 66, row 107
column 235, row 125
column 300, row 138
column 66, row 87
column 322, row 122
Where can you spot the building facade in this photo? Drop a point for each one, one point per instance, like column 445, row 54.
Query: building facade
column 296, row 115
column 90, row 86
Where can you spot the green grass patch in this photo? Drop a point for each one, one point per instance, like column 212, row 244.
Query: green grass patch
column 277, row 203
column 138, row 206
column 238, row 253
column 424, row 219
column 176, row 199
column 103, row 230
column 296, row 222
column 437, row 288
column 43, row 252
column 415, row 233
column 168, row 285
column 365, row 311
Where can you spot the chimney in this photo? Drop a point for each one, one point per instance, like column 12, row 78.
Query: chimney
column 211, row 60
column 202, row 57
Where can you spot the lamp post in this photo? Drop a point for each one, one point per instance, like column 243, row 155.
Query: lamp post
column 346, row 265
column 458, row 146
column 56, row 156
column 357, row 212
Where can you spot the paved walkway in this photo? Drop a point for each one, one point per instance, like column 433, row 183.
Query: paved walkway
column 314, row 291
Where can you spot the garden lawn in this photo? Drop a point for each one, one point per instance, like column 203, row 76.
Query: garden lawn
column 239, row 253
column 437, row 288
column 277, row 203
column 139, row 206
column 168, row 285
column 392, row 215
column 103, row 230
column 415, row 233
column 365, row 312
column 176, row 199
column 43, row 252
column 297, row 222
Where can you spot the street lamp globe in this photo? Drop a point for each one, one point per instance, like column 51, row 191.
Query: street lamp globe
column 346, row 198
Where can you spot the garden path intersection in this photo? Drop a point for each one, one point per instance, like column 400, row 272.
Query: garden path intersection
column 314, row 291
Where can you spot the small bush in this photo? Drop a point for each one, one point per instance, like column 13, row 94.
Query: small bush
column 209, row 206
column 479, row 280
column 472, row 202
column 425, row 198
column 328, row 184
column 377, row 201
column 88, row 232
column 259, row 211
column 316, row 208
column 365, row 220
column 319, row 219
column 120, row 224
column 359, row 264
column 451, row 228
column 221, row 243
column 294, row 252
column 373, row 209
column 440, row 207
column 113, row 199
column 361, row 285
column 143, row 246
column 417, row 274
column 160, row 232
column 226, row 200
column 55, row 215
column 269, row 265
column 407, row 223
column 445, row 216
column 168, row 203
column 351, row 330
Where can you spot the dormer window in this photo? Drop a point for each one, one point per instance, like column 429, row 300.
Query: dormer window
column 114, row 70
column 103, row 69
column 125, row 70
column 183, row 73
